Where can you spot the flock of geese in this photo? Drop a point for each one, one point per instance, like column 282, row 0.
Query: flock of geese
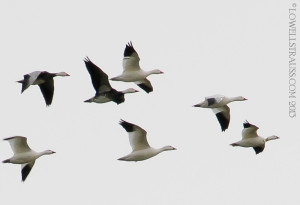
column 141, row 150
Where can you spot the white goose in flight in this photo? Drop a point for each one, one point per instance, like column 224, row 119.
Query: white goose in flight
column 104, row 91
column 132, row 71
column 250, row 138
column 218, row 104
column 23, row 154
column 44, row 80
column 141, row 150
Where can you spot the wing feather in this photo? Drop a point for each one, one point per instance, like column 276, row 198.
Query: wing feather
column 249, row 131
column 223, row 116
column 137, row 136
column 18, row 144
column 29, row 79
column 214, row 99
column 131, row 59
column 25, row 169
column 259, row 149
column 99, row 78
column 145, row 85
column 47, row 90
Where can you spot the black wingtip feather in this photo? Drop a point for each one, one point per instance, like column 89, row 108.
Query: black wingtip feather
column 247, row 124
column 224, row 122
column 258, row 149
column 8, row 138
column 126, row 125
column 211, row 101
column 129, row 50
column 25, row 172
column 119, row 99
column 87, row 60
column 145, row 88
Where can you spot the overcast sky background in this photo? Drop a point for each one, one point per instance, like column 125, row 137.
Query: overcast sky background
column 220, row 47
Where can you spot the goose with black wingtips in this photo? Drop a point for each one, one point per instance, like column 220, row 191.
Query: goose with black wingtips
column 250, row 138
column 23, row 154
column 141, row 150
column 218, row 104
column 132, row 71
column 104, row 91
column 44, row 80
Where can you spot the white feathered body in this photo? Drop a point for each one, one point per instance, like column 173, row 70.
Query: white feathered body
column 24, row 158
column 141, row 155
column 251, row 142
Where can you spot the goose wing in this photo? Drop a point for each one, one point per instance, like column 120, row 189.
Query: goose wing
column 25, row 169
column 18, row 144
column 223, row 116
column 259, row 149
column 249, row 131
column 98, row 77
column 137, row 136
column 47, row 89
column 29, row 79
column 131, row 59
column 214, row 99
column 145, row 85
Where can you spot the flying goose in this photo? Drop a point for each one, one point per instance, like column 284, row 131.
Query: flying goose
column 141, row 150
column 104, row 91
column 132, row 71
column 250, row 138
column 23, row 154
column 44, row 80
column 218, row 104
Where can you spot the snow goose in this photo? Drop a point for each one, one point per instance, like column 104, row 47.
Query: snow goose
column 104, row 91
column 218, row 104
column 141, row 150
column 250, row 138
column 132, row 71
column 44, row 80
column 23, row 154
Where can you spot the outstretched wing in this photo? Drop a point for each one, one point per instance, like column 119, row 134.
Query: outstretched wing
column 137, row 136
column 29, row 79
column 25, row 169
column 249, row 131
column 98, row 77
column 145, row 85
column 18, row 144
column 47, row 90
column 223, row 116
column 131, row 59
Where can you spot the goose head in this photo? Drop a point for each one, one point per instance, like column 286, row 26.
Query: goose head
column 168, row 148
column 240, row 98
column 48, row 152
column 199, row 104
column 129, row 90
column 273, row 137
column 62, row 74
column 156, row 71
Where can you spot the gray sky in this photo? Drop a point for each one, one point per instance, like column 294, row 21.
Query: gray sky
column 204, row 48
